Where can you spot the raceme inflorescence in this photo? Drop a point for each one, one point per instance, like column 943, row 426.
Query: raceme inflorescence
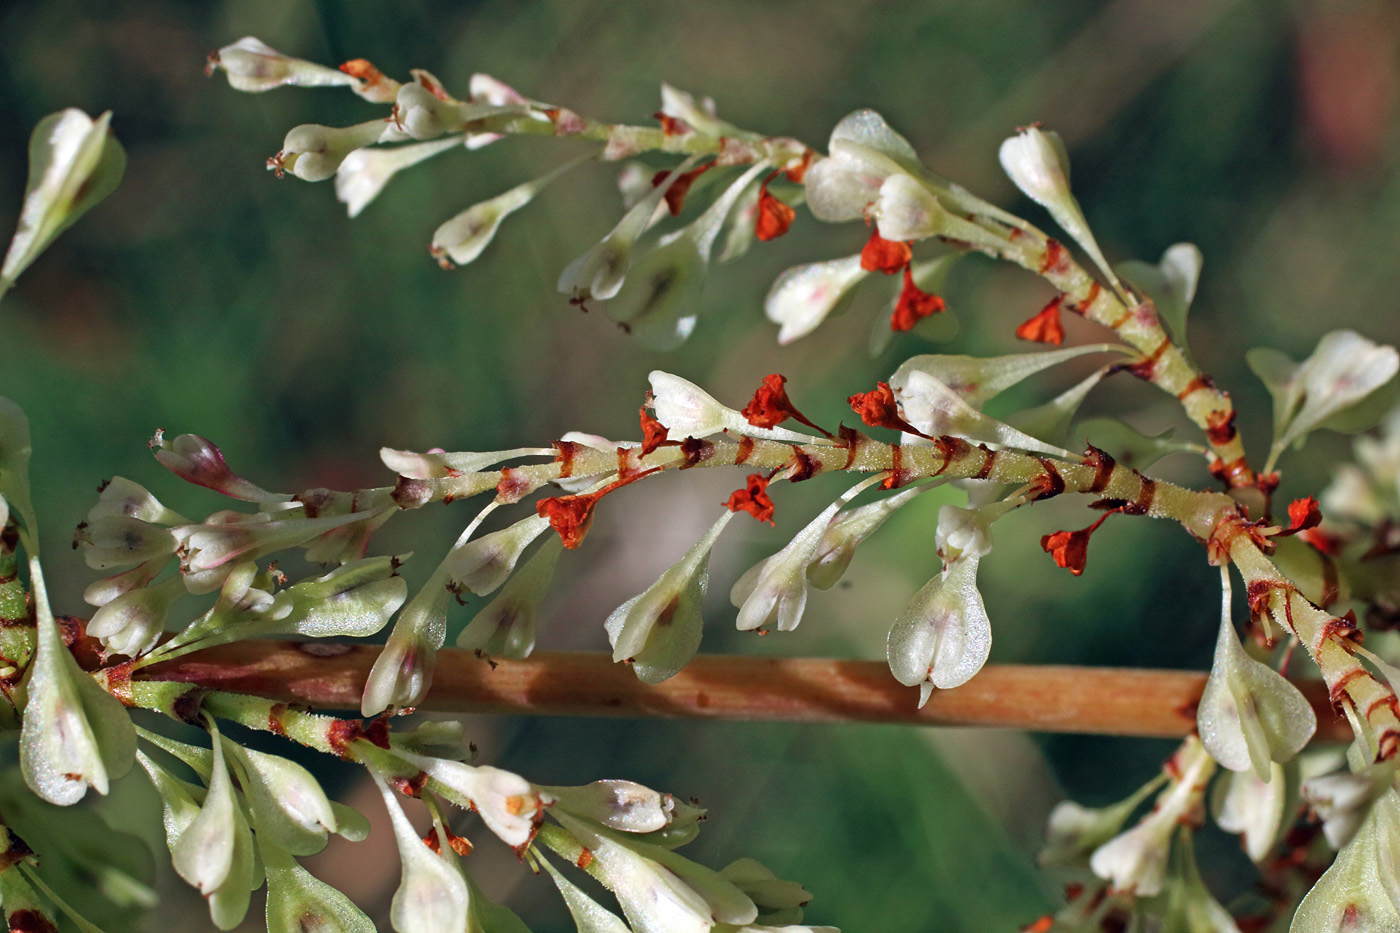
column 247, row 816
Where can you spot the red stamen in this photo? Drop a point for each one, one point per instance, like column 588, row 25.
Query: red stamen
column 1070, row 549
column 773, row 218
column 914, row 304
column 882, row 255
column 1303, row 514
column 671, row 126
column 1045, row 327
column 753, row 499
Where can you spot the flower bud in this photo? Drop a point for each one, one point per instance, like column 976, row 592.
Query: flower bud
column 74, row 162
column 215, row 852
column 847, row 530
column 1253, row 809
column 432, row 895
column 314, row 153
column 363, row 173
column 288, row 807
column 935, row 409
column 403, row 671
column 509, row 805
column 1190, row 907
column 505, row 628
column 462, row 238
column 299, row 902
column 942, row 637
column 102, row 592
column 659, row 630
column 198, row 460
column 778, row 901
column 1037, row 163
column 980, row 379
column 1343, row 370
column 863, row 152
column 804, row 296
column 1249, row 714
column 657, row 889
column 253, row 66
column 1343, row 800
column 482, row 564
column 599, row 272
column 132, row 623
column 353, row 600
column 121, row 496
column 776, row 588
column 620, row 805
column 74, row 735
column 1075, row 831
column 120, row 541
column 211, row 549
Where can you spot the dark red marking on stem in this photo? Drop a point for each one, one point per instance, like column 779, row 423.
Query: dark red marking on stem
column 1146, row 493
column 988, row 458
column 1220, row 427
column 1342, row 628
column 1331, row 586
column 410, row 786
column 275, row 716
column 1232, row 474
column 1388, row 701
column 564, row 456
column 1195, row 385
column 851, row 439
column 30, row 921
column 895, row 479
column 628, row 461
column 1145, row 367
column 1388, row 745
column 1338, row 692
column 798, row 173
column 1046, row 485
column 1082, row 308
column 805, row 466
column 513, row 485
column 1103, row 466
column 951, row 448
column 585, row 859
column 696, row 451
column 671, row 126
column 1056, row 259
column 745, row 450
column 187, row 705
column 119, row 683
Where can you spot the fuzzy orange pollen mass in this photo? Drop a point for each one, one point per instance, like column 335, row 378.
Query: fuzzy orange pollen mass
column 753, row 499
column 364, row 70
column 879, row 409
column 1070, row 549
column 1045, row 327
column 1303, row 514
column 882, row 255
column 914, row 304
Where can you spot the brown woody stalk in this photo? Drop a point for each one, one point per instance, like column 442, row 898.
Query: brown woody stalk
column 1111, row 701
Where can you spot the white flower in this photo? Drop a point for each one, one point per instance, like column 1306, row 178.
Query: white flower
column 689, row 411
column 505, row 628
column 462, row 238
column 314, row 153
column 252, row 65
column 1036, row 161
column 132, row 623
column 1252, row 808
column 803, row 296
column 482, row 564
column 432, row 896
column 776, row 588
column 1342, row 371
column 659, row 629
column 1249, row 714
column 863, row 152
column 980, row 379
column 364, row 173
column 1343, row 800
column 509, row 805
column 74, row 163
column 935, row 409
column 942, row 636
column 847, row 530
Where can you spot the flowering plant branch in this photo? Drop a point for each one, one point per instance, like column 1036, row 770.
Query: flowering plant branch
column 251, row 815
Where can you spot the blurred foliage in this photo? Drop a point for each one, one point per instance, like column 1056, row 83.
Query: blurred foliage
column 206, row 296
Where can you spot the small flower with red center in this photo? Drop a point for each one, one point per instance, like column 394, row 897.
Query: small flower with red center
column 753, row 499
column 1070, row 549
column 914, row 304
column 772, row 218
column 1045, row 327
column 882, row 255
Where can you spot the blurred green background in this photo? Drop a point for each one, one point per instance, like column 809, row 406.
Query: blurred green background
column 207, row 296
